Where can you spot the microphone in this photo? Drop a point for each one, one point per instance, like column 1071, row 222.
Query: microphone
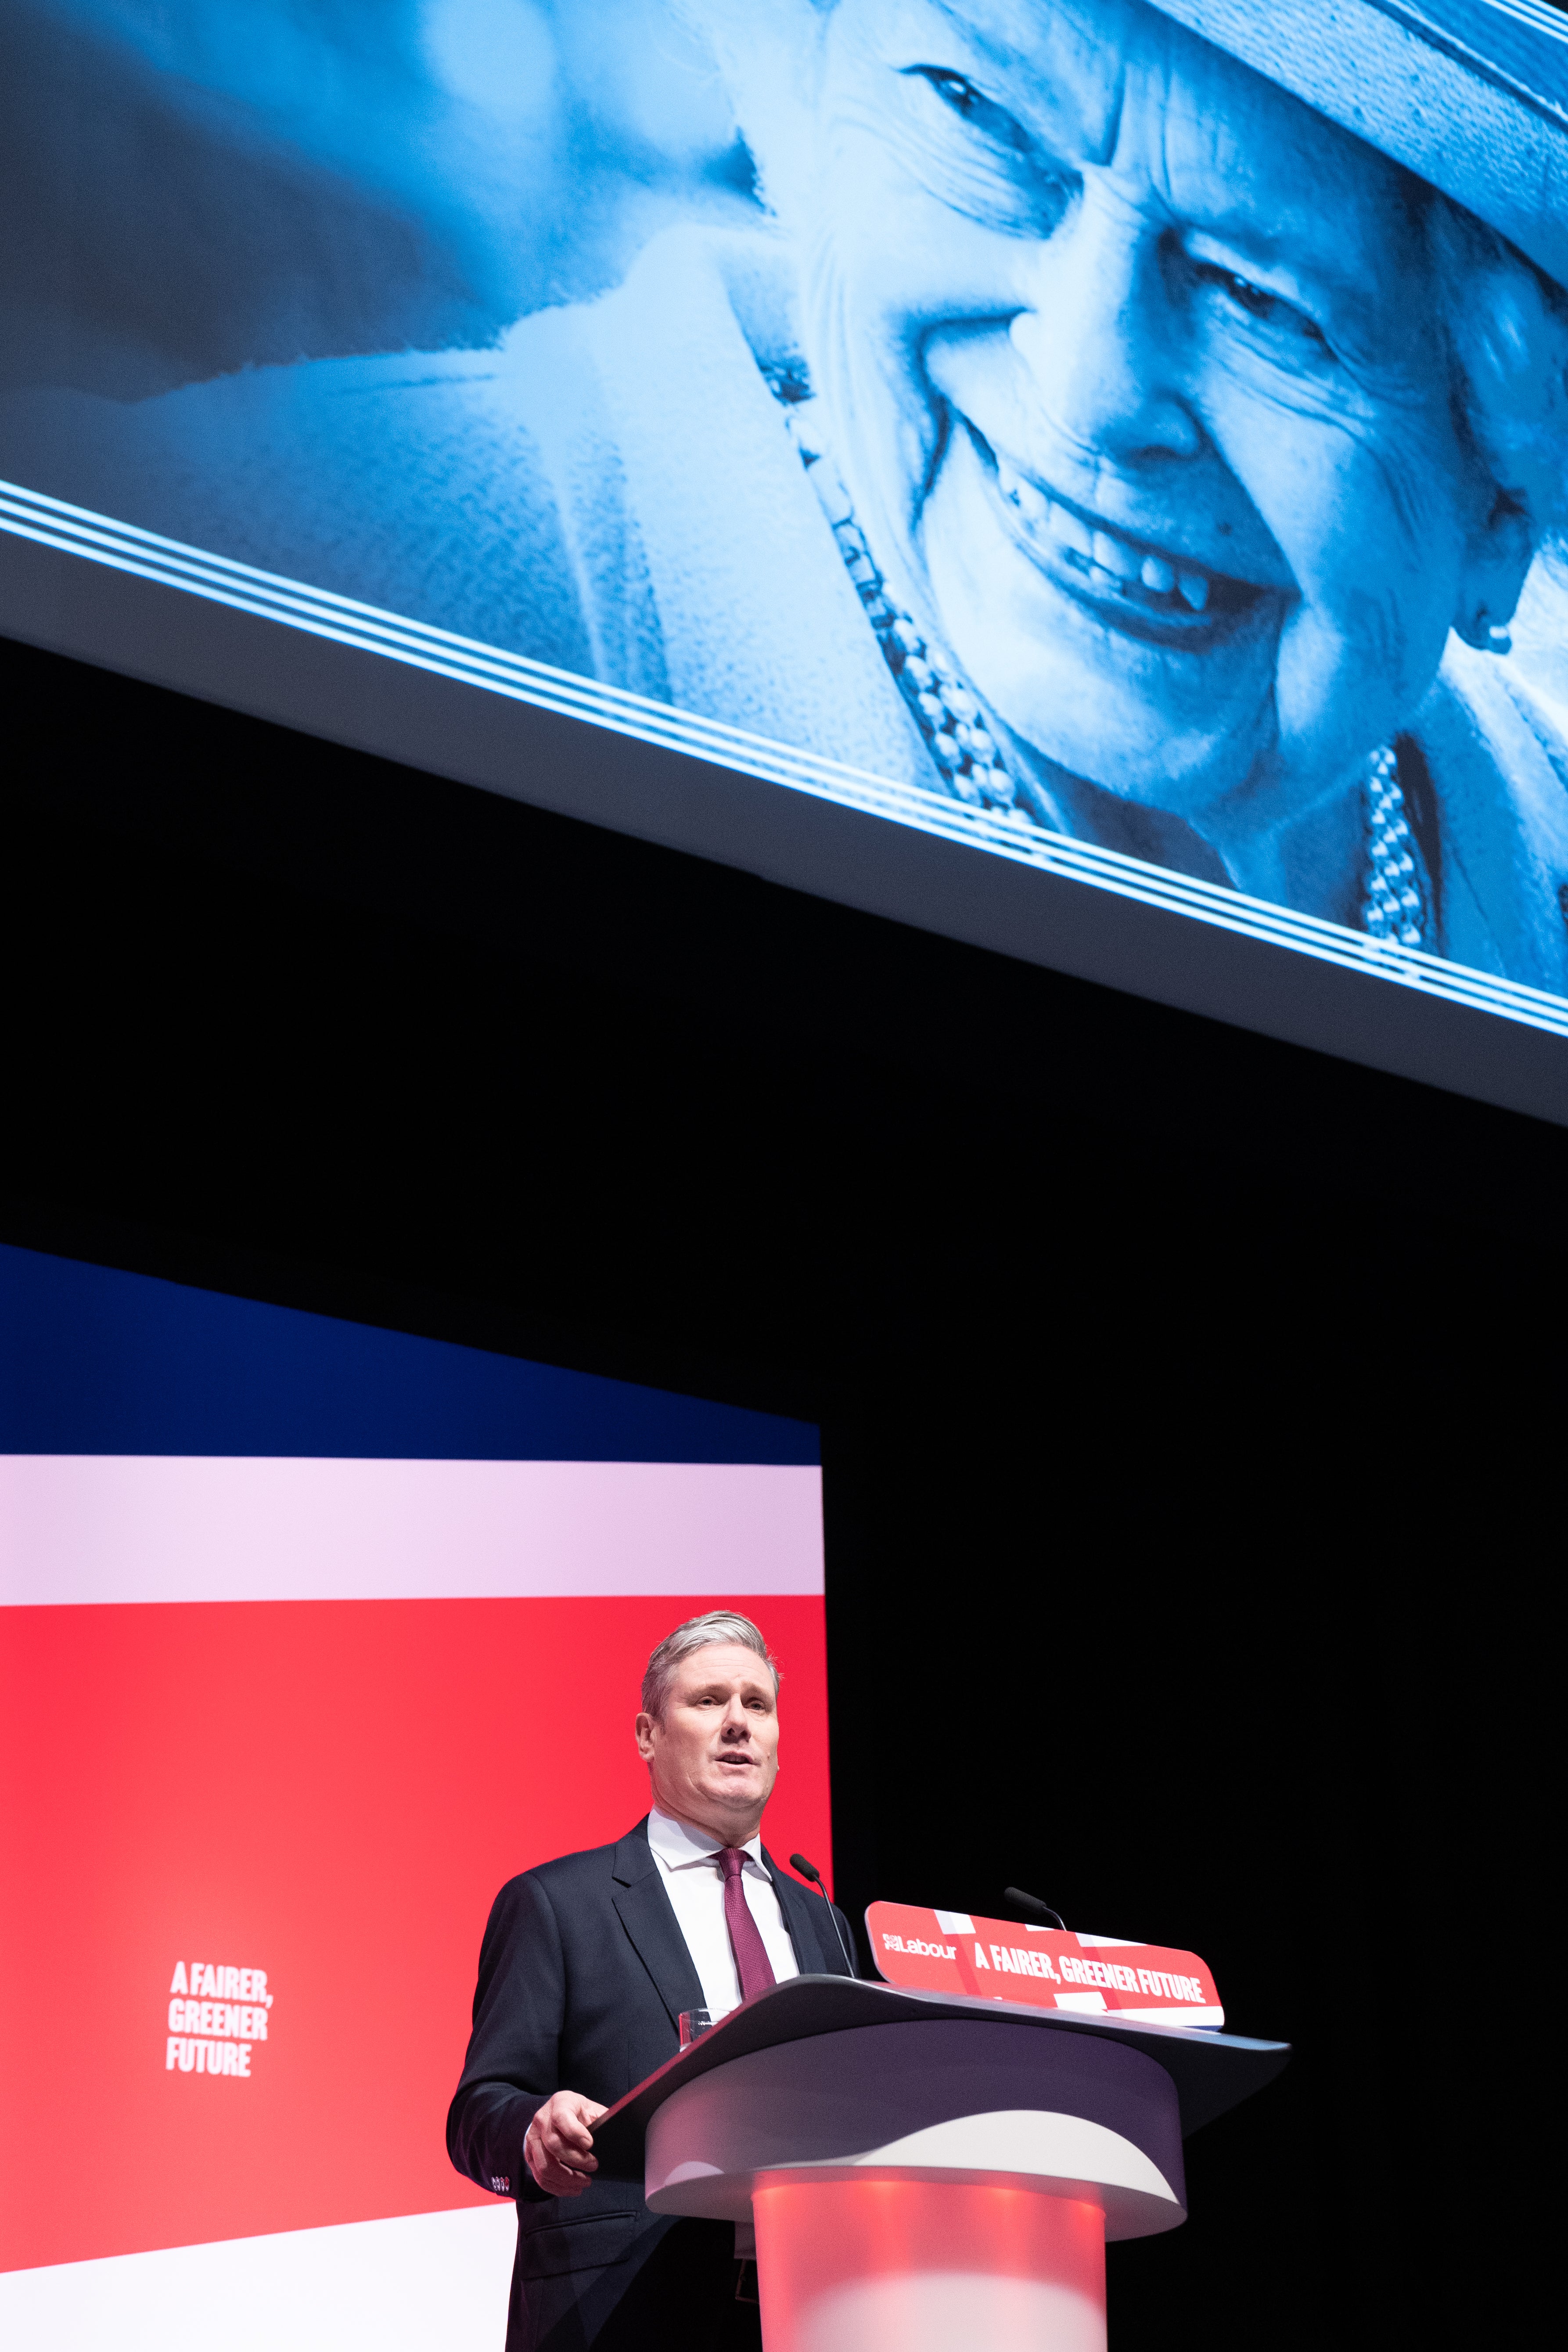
column 809, row 1870
column 1032, row 1906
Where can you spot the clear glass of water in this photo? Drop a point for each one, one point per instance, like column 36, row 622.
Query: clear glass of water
column 694, row 2024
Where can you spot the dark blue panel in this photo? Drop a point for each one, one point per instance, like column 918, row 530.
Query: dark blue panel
column 96, row 1361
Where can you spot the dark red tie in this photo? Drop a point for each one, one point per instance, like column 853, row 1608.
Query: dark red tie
column 745, row 1936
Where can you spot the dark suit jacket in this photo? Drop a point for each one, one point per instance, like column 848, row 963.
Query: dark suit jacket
column 583, row 1973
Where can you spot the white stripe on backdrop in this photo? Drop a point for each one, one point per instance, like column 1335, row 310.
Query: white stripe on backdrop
column 115, row 1528
column 428, row 2281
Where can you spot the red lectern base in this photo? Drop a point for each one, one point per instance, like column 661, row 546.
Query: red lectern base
column 897, row 2265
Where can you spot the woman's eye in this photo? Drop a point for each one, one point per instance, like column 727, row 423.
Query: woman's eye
column 1258, row 304
column 976, row 157
column 954, row 89
column 960, row 95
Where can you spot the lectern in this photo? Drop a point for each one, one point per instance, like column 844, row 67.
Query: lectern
column 923, row 2172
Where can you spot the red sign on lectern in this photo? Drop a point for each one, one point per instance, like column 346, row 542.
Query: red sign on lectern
column 1000, row 1959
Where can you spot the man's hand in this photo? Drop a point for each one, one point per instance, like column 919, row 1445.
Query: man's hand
column 560, row 2146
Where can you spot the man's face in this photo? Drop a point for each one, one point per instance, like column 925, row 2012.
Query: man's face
column 714, row 1758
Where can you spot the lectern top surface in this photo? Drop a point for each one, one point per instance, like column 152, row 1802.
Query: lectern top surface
column 1212, row 2072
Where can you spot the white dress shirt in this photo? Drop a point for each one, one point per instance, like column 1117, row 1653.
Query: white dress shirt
column 687, row 1862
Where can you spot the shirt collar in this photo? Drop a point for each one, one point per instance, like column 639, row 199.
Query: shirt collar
column 678, row 1846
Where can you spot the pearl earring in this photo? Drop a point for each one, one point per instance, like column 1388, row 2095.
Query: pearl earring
column 1486, row 635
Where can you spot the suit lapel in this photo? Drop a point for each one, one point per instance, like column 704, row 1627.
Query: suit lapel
column 645, row 1912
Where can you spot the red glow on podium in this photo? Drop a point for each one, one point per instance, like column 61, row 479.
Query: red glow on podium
column 869, row 2265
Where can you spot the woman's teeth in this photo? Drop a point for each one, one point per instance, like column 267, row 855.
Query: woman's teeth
column 1121, row 564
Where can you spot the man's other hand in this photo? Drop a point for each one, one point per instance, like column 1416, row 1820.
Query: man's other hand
column 560, row 2146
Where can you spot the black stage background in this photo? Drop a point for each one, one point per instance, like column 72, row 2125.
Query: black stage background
column 1191, row 1405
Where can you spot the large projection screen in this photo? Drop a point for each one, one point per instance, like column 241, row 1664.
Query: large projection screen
column 312, row 1635
column 1087, row 476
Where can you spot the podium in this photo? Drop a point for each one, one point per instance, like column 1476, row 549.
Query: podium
column 923, row 2172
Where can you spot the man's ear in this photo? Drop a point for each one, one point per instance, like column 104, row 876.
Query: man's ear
column 642, row 1732
column 1493, row 579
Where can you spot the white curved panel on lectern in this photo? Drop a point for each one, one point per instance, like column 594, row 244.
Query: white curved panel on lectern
column 987, row 2104
column 1060, row 2155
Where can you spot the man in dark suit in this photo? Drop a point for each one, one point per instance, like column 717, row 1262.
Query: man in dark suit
column 586, row 1968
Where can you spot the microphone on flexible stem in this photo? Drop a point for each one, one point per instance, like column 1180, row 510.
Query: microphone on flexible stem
column 810, row 1871
column 1033, row 1907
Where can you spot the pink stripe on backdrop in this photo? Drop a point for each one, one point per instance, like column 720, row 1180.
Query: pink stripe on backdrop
column 117, row 1527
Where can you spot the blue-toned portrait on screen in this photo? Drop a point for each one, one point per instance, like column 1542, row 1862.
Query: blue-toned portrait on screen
column 1146, row 420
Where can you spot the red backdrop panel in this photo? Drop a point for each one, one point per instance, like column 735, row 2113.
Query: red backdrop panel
column 331, row 1792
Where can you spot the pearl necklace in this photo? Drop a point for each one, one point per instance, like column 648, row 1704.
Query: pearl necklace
column 947, row 715
column 1396, row 894
column 1397, row 897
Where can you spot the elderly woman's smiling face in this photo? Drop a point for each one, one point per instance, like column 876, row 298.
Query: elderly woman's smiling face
column 1138, row 378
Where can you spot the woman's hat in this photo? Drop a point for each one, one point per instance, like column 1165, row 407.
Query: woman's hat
column 1472, row 95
